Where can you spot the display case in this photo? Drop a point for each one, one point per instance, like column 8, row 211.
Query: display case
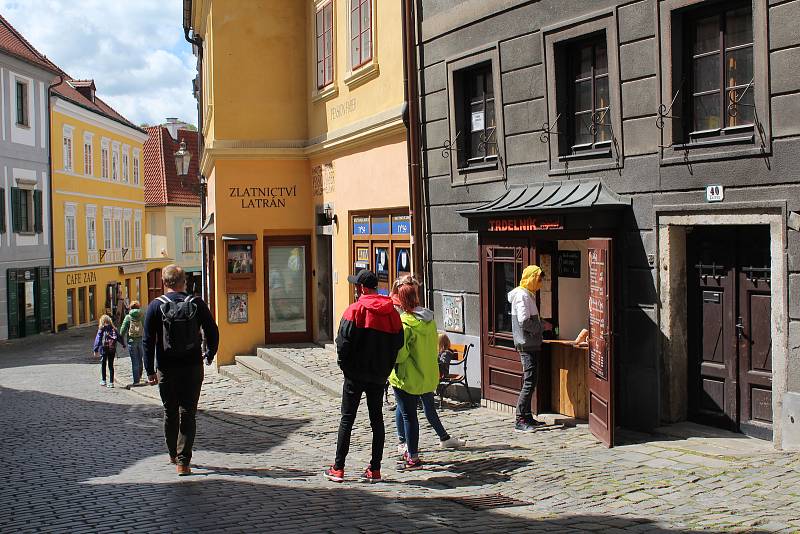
column 240, row 263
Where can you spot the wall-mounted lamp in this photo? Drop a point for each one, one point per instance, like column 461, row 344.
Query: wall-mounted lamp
column 182, row 159
column 327, row 217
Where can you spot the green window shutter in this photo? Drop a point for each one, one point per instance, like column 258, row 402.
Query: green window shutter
column 2, row 211
column 44, row 311
column 16, row 210
column 37, row 211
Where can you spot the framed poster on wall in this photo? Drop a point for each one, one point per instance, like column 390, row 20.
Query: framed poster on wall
column 240, row 263
column 237, row 308
column 453, row 313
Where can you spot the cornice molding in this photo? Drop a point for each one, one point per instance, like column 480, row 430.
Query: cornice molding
column 78, row 113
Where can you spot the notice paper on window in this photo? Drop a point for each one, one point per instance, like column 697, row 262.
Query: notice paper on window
column 477, row 121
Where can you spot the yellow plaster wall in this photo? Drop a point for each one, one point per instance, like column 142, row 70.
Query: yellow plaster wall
column 231, row 218
column 258, row 75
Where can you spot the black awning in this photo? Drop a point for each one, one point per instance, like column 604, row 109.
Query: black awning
column 551, row 197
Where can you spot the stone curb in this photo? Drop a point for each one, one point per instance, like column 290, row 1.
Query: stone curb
column 330, row 388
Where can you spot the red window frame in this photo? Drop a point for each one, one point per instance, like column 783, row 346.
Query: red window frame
column 324, row 32
column 359, row 54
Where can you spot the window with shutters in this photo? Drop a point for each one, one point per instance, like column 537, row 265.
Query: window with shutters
column 107, row 241
column 135, row 167
column 2, row 211
column 88, row 155
column 104, row 159
column 125, row 164
column 126, row 230
column 26, row 206
column 91, row 233
column 137, row 234
column 67, row 161
column 70, row 231
column 324, row 34
column 115, row 164
column 22, row 103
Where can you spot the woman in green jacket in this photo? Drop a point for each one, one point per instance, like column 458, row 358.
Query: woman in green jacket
column 417, row 369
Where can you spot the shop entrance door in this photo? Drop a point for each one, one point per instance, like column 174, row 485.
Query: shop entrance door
column 730, row 340
column 154, row 287
column 288, row 294
column 600, row 371
column 501, row 269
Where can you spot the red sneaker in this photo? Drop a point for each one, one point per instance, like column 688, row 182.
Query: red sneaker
column 410, row 464
column 333, row 474
column 370, row 476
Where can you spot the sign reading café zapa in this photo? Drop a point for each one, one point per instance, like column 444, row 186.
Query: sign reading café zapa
column 262, row 197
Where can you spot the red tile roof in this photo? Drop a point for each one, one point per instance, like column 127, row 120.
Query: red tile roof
column 67, row 90
column 162, row 185
column 13, row 43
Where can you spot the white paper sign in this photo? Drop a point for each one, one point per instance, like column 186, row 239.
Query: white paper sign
column 715, row 193
column 477, row 121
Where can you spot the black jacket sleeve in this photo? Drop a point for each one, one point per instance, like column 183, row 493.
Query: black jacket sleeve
column 344, row 341
column 210, row 329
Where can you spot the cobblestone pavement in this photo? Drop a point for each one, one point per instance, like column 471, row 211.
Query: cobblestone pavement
column 80, row 458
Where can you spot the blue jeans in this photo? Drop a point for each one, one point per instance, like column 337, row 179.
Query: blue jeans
column 407, row 408
column 429, row 407
column 136, row 350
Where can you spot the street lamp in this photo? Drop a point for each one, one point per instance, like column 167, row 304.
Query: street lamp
column 182, row 158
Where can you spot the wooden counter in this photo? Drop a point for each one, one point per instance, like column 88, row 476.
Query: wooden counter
column 568, row 391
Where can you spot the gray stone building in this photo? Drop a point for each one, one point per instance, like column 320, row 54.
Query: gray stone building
column 644, row 154
column 25, row 248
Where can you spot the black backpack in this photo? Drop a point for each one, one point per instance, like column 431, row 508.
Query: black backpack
column 181, row 330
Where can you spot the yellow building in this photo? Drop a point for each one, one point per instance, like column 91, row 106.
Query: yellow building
column 98, row 208
column 305, row 160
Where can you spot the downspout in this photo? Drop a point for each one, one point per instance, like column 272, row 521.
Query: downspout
column 198, row 43
column 53, row 327
column 411, row 118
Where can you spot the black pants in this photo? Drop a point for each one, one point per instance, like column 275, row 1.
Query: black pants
column 351, row 398
column 530, row 372
column 180, row 391
column 107, row 360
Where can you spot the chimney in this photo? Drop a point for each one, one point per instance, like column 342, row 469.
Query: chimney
column 172, row 126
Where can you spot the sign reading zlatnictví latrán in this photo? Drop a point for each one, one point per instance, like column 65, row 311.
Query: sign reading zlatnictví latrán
column 262, row 197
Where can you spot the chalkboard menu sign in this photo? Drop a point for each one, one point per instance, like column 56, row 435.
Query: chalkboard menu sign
column 569, row 263
column 598, row 312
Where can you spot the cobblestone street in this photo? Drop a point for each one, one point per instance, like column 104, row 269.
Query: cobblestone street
column 81, row 458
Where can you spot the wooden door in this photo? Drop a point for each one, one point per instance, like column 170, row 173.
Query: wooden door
column 502, row 263
column 600, row 371
column 288, row 294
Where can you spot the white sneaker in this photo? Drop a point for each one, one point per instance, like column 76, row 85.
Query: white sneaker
column 110, row 385
column 452, row 443
column 102, row 383
column 402, row 449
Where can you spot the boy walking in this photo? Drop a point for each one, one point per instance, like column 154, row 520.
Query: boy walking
column 370, row 335
column 173, row 346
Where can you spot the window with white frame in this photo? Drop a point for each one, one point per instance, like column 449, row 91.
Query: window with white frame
column 104, row 159
column 137, row 233
column 91, row 233
column 22, row 102
column 324, row 41
column 117, row 230
column 126, row 229
column 107, row 241
column 88, row 155
column 360, row 33
column 115, row 163
column 67, row 145
column 125, row 164
column 135, row 167
column 188, row 239
column 70, row 231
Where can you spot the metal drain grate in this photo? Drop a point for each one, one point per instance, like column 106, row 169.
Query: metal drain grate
column 487, row 502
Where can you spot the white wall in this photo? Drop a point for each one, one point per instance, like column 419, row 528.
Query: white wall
column 573, row 295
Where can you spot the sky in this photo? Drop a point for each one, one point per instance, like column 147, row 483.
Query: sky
column 133, row 49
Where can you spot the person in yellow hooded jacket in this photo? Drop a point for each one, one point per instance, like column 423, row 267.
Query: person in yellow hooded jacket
column 527, row 329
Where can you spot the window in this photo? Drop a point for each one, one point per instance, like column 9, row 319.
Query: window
column 117, row 231
column 477, row 120
column 68, row 152
column 360, row 32
column 126, row 230
column 588, row 100
column 92, row 303
column 324, row 31
column 88, row 158
column 104, row 159
column 22, row 103
column 70, row 307
column 2, row 211
column 135, row 167
column 70, row 232
column 720, row 73
column 107, row 243
column 91, row 233
column 115, row 164
column 137, row 230
column 188, row 239
column 125, row 164
column 26, row 206
column 139, row 288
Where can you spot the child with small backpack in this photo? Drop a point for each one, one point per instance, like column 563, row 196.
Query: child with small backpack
column 105, row 344
column 132, row 330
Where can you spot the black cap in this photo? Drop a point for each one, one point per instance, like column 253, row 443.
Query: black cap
column 365, row 278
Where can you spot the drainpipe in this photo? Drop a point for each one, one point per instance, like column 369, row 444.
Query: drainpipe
column 411, row 118
column 53, row 327
column 198, row 43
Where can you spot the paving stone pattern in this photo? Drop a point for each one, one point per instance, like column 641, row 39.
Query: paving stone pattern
column 81, row 458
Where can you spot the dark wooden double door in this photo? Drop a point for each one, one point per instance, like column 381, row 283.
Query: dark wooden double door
column 730, row 318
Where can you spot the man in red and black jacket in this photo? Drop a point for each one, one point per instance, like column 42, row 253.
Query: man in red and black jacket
column 370, row 335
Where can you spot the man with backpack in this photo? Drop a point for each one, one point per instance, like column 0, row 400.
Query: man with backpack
column 173, row 347
column 132, row 330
